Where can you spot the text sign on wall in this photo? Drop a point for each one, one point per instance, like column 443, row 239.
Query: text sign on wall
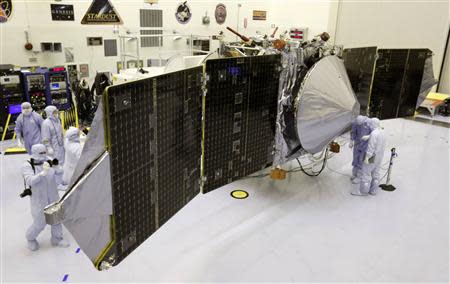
column 62, row 12
column 259, row 15
column 101, row 12
column 298, row 34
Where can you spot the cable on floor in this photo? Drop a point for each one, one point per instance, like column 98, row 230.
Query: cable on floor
column 294, row 170
column 323, row 156
column 315, row 174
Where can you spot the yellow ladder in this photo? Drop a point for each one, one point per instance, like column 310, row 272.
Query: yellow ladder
column 5, row 130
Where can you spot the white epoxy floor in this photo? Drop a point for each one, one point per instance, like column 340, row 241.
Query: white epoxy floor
column 299, row 230
column 437, row 117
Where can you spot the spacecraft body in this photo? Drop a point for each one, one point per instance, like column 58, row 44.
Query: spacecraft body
column 156, row 143
column 316, row 101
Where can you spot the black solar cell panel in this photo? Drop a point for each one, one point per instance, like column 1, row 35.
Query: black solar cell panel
column 240, row 115
column 154, row 134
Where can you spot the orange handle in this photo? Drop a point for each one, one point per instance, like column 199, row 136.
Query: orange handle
column 274, row 32
column 244, row 38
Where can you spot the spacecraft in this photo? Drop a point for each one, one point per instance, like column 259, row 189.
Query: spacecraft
column 193, row 131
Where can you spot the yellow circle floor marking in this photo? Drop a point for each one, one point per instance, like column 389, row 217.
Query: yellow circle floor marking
column 239, row 194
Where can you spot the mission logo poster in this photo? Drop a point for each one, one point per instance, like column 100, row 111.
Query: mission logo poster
column 6, row 9
column 101, row 12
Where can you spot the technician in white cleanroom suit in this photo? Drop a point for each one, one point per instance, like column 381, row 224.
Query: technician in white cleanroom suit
column 28, row 127
column 370, row 172
column 52, row 134
column 73, row 152
column 42, row 180
column 360, row 129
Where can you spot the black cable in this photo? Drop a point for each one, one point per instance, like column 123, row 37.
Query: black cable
column 384, row 175
column 314, row 174
column 295, row 170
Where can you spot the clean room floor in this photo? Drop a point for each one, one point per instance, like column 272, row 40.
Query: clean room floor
column 301, row 229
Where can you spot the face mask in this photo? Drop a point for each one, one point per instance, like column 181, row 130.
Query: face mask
column 75, row 139
column 26, row 111
column 40, row 157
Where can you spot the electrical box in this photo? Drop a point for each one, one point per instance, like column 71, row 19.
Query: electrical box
column 58, row 88
column 278, row 174
column 51, row 47
column 35, row 89
column 47, row 87
column 335, row 147
column 11, row 97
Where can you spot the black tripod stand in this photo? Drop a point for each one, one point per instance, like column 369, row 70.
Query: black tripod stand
column 387, row 186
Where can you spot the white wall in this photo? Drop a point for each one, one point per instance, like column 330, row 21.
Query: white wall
column 393, row 24
column 35, row 16
column 386, row 24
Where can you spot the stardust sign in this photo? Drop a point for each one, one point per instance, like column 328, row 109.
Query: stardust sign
column 101, row 12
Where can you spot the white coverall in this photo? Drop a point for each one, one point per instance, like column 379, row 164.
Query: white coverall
column 370, row 172
column 52, row 134
column 44, row 192
column 360, row 128
column 28, row 127
column 73, row 153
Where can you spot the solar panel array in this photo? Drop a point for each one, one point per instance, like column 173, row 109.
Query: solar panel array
column 397, row 81
column 240, row 115
column 360, row 66
column 154, row 138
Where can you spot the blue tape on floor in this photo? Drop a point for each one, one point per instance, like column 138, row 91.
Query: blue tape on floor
column 78, row 250
column 65, row 277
